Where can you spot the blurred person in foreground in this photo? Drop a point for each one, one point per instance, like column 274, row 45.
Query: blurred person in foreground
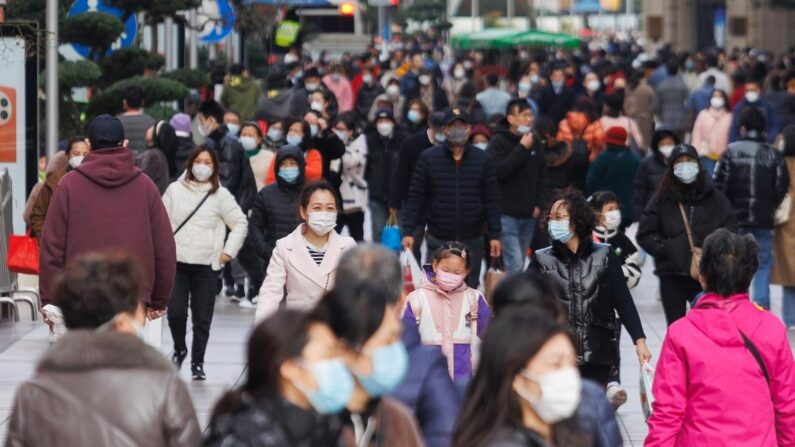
column 697, row 400
column 784, row 237
column 101, row 384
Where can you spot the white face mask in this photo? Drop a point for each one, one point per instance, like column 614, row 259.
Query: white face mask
column 481, row 146
column 612, row 219
column 782, row 145
column 393, row 91
column 316, row 106
column 367, row 79
column 717, row 103
column 311, row 86
column 322, row 222
column 560, row 394
column 201, row 172
column 74, row 162
column 385, row 129
column 248, row 143
column 425, row 79
column 666, row 150
column 592, row 85
column 752, row 96
column 459, row 73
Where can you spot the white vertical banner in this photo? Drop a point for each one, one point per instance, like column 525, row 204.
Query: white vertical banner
column 12, row 121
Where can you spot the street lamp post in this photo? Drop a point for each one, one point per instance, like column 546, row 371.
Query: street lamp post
column 51, row 79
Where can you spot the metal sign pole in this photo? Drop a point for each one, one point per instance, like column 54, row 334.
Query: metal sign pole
column 51, row 112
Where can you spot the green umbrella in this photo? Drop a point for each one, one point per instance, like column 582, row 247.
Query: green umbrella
column 489, row 38
column 537, row 38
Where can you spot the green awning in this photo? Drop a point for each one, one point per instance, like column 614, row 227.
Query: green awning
column 508, row 38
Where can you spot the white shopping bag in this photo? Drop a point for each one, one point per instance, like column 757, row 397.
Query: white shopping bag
column 54, row 315
column 646, row 382
column 153, row 332
column 412, row 275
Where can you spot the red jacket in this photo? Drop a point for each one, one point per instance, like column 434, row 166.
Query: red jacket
column 708, row 388
column 107, row 204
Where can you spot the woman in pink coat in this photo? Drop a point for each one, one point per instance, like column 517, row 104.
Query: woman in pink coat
column 710, row 387
column 711, row 130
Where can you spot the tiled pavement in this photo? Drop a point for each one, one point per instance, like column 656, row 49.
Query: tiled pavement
column 22, row 343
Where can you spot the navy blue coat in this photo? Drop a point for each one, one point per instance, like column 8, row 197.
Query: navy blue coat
column 597, row 416
column 459, row 198
column 428, row 390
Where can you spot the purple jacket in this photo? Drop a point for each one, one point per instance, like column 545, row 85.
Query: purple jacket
column 428, row 391
column 107, row 204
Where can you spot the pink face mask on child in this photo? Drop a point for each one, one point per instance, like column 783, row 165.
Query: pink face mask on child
column 449, row 282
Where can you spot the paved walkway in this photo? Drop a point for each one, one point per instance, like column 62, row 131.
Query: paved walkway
column 24, row 342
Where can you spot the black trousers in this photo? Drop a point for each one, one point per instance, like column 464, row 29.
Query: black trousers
column 476, row 251
column 615, row 370
column 598, row 373
column 355, row 224
column 194, row 286
column 251, row 263
column 676, row 291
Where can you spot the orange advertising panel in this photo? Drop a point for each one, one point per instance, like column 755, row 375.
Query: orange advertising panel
column 8, row 125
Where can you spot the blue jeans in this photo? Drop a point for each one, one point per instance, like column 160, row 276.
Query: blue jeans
column 760, row 288
column 516, row 236
column 788, row 306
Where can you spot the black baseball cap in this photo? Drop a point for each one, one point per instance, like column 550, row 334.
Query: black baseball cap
column 384, row 113
column 436, row 119
column 456, row 113
column 681, row 150
column 105, row 131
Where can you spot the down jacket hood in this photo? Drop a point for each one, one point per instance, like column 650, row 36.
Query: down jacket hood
column 109, row 168
column 296, row 154
column 712, row 317
column 83, row 350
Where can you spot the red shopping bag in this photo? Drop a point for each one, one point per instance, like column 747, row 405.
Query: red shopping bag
column 23, row 254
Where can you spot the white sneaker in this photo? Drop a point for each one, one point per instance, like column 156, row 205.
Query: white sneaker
column 616, row 394
column 246, row 304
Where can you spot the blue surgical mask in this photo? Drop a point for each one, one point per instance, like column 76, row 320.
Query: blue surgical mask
column 413, row 116
column 686, row 172
column 313, row 130
column 342, row 135
column 521, row 130
column 233, row 128
column 275, row 135
column 289, row 173
column 294, row 140
column 559, row 230
column 440, row 137
column 389, row 368
column 557, row 85
column 335, row 386
column 481, row 146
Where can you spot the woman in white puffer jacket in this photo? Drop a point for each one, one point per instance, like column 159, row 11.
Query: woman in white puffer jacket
column 200, row 210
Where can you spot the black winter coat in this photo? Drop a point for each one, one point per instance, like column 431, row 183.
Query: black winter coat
column 520, row 173
column 593, row 287
column 459, row 197
column 754, row 178
column 365, row 99
column 555, row 105
column 382, row 163
column 661, row 231
column 184, row 149
column 235, row 169
column 647, row 179
column 331, row 148
column 275, row 211
column 410, row 152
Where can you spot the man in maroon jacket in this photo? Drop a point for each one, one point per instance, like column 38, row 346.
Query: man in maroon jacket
column 107, row 204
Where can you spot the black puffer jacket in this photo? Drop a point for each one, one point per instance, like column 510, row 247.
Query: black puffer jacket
column 235, row 171
column 275, row 211
column 382, row 163
column 593, row 287
column 459, row 198
column 661, row 231
column 186, row 146
column 754, row 178
column 649, row 173
column 520, row 172
column 559, row 170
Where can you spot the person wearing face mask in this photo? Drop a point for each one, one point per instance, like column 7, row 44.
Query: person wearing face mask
column 614, row 170
column 299, row 134
column 754, row 177
column 383, row 149
column 161, row 142
column 259, row 154
column 101, row 369
column 76, row 150
column 593, row 284
column 608, row 230
column 390, row 99
column 339, row 85
column 448, row 313
column 454, row 190
column 520, row 169
column 662, row 233
column 241, row 92
column 455, row 81
column 753, row 99
column 327, row 143
column 555, row 100
column 274, row 136
column 368, row 92
column 313, row 83
column 232, row 122
column 651, row 168
column 726, row 374
column 295, row 384
column 368, row 324
column 480, row 137
column 353, row 189
column 416, row 117
column 303, row 264
column 200, row 211
column 711, row 131
column 527, row 387
column 592, row 88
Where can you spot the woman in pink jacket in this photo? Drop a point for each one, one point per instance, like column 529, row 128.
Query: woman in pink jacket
column 726, row 375
column 711, row 130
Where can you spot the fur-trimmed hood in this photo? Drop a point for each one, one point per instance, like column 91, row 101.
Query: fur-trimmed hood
column 83, row 350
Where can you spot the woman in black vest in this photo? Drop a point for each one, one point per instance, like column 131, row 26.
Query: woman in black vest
column 592, row 283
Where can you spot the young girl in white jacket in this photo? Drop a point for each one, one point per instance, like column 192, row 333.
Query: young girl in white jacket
column 200, row 210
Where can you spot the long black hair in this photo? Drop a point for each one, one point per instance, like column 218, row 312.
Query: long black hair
column 672, row 187
column 491, row 402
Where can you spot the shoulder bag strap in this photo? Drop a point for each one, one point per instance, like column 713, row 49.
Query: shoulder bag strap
column 192, row 213
column 687, row 227
column 755, row 352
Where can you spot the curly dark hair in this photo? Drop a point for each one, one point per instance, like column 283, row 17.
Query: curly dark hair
column 581, row 216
